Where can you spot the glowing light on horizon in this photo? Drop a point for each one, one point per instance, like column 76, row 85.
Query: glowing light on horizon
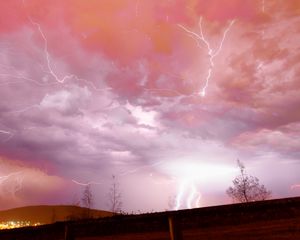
column 212, row 53
column 180, row 195
column 188, row 196
column 189, row 176
column 194, row 197
column 18, row 224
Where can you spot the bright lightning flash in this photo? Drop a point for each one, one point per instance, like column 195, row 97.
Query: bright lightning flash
column 190, row 175
column 212, row 53
column 188, row 189
column 14, row 187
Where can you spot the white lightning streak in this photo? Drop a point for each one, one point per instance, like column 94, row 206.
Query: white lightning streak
column 192, row 197
column 212, row 53
column 18, row 184
column 124, row 173
column 5, row 177
column 4, row 132
column 49, row 65
column 8, row 138
column 48, row 55
column 87, row 183
column 187, row 190
column 180, row 195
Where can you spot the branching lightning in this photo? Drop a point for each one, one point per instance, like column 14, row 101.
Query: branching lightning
column 51, row 71
column 212, row 53
column 15, row 187
column 9, row 72
column 49, row 64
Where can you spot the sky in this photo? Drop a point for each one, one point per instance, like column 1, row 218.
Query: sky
column 164, row 95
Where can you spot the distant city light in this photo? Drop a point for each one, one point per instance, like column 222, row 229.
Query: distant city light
column 17, row 224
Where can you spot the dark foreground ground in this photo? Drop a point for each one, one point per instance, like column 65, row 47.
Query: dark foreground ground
column 274, row 219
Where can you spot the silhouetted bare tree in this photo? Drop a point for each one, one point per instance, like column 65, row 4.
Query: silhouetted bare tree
column 247, row 188
column 87, row 199
column 114, row 196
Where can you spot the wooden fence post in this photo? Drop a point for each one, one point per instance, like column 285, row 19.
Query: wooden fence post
column 174, row 229
column 68, row 233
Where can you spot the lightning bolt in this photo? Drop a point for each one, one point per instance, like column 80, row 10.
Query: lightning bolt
column 50, row 70
column 10, row 75
column 181, row 190
column 87, row 183
column 187, row 188
column 49, row 64
column 17, row 186
column 193, row 198
column 10, row 135
column 5, row 177
column 212, row 53
column 124, row 173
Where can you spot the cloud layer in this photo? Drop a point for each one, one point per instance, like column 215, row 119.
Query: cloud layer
column 91, row 89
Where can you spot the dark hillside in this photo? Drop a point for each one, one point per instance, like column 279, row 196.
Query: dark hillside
column 273, row 219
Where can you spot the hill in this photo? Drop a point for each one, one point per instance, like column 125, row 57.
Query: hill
column 277, row 219
column 46, row 214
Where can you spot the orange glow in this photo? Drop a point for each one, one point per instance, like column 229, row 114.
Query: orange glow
column 17, row 224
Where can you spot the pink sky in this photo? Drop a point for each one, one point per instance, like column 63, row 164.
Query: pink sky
column 166, row 95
